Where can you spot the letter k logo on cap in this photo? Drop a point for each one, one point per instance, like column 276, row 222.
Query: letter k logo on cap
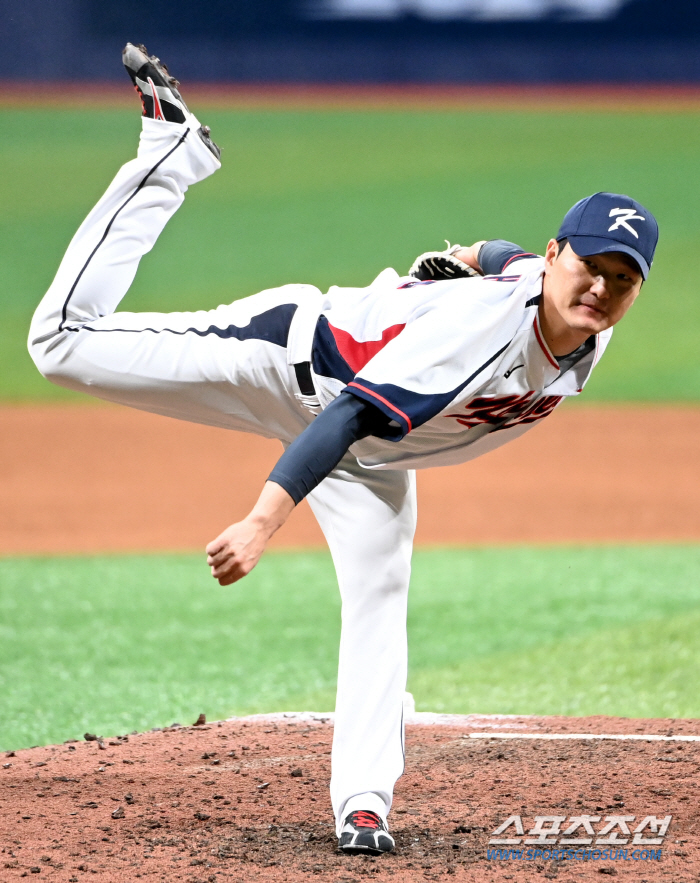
column 633, row 231
column 624, row 215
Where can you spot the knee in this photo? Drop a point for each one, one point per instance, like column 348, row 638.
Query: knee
column 38, row 354
column 52, row 361
column 41, row 342
column 41, row 356
column 374, row 580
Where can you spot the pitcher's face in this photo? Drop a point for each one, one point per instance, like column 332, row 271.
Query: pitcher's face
column 590, row 293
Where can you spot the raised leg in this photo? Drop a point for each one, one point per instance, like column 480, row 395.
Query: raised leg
column 224, row 367
column 369, row 518
column 103, row 256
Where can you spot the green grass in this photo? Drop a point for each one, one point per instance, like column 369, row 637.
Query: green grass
column 333, row 197
column 113, row 644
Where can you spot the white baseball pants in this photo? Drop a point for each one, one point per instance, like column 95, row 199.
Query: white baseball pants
column 228, row 367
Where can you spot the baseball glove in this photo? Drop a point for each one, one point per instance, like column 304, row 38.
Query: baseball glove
column 438, row 265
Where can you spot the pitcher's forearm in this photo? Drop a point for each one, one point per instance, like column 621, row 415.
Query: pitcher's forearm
column 273, row 508
column 470, row 255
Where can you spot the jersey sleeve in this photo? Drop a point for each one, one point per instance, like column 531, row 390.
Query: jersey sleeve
column 321, row 446
column 496, row 254
column 418, row 373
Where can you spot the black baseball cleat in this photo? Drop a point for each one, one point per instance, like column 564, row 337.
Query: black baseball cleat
column 365, row 833
column 204, row 133
column 157, row 89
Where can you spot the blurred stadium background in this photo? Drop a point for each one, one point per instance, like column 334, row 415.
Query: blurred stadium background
column 333, row 193
column 362, row 41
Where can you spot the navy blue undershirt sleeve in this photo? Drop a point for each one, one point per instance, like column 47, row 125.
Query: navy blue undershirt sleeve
column 496, row 254
column 322, row 445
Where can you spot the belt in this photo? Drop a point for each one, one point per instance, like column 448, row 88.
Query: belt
column 303, row 373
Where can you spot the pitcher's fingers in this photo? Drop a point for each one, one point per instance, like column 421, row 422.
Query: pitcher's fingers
column 220, row 568
column 215, row 546
column 221, row 556
column 229, row 577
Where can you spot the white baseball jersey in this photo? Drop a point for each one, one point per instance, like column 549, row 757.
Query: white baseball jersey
column 460, row 367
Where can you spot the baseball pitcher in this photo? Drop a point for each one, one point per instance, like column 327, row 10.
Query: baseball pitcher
column 361, row 385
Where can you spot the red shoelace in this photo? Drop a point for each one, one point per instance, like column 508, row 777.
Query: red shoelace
column 364, row 819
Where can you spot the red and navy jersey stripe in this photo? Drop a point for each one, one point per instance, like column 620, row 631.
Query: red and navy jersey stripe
column 337, row 354
column 325, row 356
column 407, row 408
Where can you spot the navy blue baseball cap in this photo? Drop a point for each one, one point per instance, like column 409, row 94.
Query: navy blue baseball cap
column 608, row 222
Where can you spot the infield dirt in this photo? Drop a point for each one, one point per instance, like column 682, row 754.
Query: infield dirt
column 248, row 800
column 106, row 479
column 670, row 98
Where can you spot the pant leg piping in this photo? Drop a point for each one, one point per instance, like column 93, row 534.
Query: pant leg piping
column 64, row 311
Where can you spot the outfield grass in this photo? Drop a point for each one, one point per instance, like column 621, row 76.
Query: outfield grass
column 113, row 644
column 333, row 197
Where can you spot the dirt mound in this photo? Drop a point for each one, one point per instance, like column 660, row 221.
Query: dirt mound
column 247, row 799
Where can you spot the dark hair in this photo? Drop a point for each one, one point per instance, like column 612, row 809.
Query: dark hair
column 562, row 243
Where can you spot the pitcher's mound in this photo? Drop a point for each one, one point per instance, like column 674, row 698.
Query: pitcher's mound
column 247, row 799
